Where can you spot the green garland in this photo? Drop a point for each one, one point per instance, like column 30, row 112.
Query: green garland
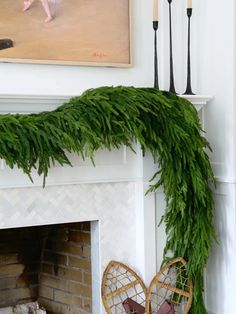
column 107, row 117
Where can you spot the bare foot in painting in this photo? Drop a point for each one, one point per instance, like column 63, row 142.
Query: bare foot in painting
column 27, row 5
column 48, row 19
column 46, row 7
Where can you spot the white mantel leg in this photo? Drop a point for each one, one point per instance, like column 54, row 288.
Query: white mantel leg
column 146, row 232
column 145, row 218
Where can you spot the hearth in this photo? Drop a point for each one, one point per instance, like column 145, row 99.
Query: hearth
column 48, row 264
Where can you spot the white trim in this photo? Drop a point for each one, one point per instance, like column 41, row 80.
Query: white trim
column 198, row 99
column 96, row 267
column 226, row 180
column 145, row 232
column 30, row 103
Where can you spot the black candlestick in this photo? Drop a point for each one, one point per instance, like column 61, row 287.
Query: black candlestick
column 189, row 87
column 156, row 81
column 172, row 83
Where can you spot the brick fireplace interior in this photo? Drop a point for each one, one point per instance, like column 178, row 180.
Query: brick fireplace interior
column 48, row 264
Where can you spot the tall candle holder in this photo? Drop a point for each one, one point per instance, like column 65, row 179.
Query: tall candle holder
column 172, row 83
column 156, row 80
column 189, row 87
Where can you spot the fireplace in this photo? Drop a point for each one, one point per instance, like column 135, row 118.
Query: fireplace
column 48, row 264
column 43, row 214
column 111, row 196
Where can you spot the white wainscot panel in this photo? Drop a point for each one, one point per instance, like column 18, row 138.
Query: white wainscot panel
column 221, row 271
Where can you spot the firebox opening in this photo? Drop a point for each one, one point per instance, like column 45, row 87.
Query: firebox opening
column 48, row 264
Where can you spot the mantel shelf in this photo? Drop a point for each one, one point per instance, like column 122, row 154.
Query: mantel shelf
column 10, row 103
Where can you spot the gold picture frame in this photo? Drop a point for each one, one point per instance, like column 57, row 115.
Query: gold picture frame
column 80, row 32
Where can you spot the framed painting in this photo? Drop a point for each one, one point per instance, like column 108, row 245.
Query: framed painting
column 73, row 32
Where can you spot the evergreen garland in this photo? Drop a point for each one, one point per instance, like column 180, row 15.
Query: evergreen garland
column 108, row 117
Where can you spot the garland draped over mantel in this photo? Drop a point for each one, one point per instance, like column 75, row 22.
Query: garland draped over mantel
column 108, row 117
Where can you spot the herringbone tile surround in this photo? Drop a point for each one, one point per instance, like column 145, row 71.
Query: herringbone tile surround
column 113, row 204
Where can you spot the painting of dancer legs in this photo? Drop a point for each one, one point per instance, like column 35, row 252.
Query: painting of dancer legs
column 83, row 32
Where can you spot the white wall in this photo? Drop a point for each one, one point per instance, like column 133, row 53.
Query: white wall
column 214, row 69
column 216, row 76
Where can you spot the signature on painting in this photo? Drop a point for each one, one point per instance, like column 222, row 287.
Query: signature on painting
column 99, row 55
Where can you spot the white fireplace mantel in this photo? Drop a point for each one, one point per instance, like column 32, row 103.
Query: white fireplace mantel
column 128, row 215
column 116, row 166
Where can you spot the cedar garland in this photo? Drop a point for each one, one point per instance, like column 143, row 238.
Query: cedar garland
column 108, row 117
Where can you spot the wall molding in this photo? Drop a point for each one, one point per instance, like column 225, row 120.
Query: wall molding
column 219, row 170
column 225, row 180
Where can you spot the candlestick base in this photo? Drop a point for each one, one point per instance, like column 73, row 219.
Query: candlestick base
column 188, row 91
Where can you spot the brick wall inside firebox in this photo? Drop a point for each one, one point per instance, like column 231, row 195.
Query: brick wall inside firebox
column 51, row 264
